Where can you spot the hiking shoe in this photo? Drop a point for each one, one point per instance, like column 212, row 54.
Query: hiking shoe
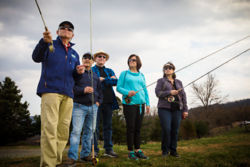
column 69, row 163
column 141, row 155
column 111, row 154
column 131, row 155
column 86, row 159
column 174, row 154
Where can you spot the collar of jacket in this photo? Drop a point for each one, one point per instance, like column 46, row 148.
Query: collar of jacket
column 100, row 67
column 60, row 40
column 88, row 71
column 168, row 79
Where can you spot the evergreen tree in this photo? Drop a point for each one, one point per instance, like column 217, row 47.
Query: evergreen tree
column 15, row 119
column 37, row 125
column 118, row 125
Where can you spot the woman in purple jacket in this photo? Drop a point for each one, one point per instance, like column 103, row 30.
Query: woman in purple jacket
column 172, row 107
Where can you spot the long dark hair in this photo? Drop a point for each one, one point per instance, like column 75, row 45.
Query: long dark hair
column 138, row 61
column 169, row 64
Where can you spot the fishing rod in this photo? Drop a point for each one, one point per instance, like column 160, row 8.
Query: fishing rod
column 171, row 97
column 227, row 46
column 94, row 159
column 127, row 99
column 51, row 47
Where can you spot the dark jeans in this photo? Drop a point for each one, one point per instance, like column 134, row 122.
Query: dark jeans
column 105, row 112
column 170, row 123
column 133, row 123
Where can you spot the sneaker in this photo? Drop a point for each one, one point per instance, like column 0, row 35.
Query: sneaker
column 131, row 155
column 174, row 154
column 164, row 154
column 141, row 155
column 86, row 159
column 111, row 154
column 69, row 163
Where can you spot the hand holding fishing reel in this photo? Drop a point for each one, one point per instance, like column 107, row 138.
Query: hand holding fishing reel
column 130, row 94
column 51, row 46
column 171, row 98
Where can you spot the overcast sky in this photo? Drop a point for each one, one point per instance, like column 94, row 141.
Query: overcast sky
column 159, row 31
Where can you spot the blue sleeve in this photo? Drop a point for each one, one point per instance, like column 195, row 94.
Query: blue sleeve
column 75, row 74
column 110, row 81
column 39, row 52
column 78, row 87
column 145, row 91
column 120, row 84
column 78, row 90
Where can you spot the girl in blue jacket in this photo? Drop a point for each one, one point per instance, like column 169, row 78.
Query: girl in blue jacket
column 129, row 82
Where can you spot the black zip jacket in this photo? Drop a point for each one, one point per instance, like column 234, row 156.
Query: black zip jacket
column 83, row 81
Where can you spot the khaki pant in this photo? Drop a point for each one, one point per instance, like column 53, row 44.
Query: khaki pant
column 56, row 113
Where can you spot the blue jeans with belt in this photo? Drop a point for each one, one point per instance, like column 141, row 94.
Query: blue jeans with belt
column 170, row 124
column 83, row 119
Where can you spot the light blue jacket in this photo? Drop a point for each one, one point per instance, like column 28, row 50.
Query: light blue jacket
column 133, row 81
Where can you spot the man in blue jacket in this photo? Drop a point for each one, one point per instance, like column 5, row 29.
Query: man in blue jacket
column 84, row 112
column 108, row 80
column 59, row 68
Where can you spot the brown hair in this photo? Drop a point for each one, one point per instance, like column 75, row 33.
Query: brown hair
column 171, row 65
column 138, row 61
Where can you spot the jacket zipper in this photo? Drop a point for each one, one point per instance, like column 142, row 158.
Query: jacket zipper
column 65, row 66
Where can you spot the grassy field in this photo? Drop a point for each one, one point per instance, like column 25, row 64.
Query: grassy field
column 230, row 149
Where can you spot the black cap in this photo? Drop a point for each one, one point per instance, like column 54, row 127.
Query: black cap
column 87, row 55
column 67, row 23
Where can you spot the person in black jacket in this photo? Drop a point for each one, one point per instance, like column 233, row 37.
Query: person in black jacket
column 84, row 113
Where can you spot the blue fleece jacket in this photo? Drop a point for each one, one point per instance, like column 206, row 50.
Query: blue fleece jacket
column 58, row 68
column 108, row 82
column 133, row 81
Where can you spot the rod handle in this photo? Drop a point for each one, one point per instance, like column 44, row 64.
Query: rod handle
column 51, row 46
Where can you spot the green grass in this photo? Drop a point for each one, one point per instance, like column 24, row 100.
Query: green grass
column 231, row 149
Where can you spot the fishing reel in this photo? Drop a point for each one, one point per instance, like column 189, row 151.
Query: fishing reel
column 95, row 161
column 170, row 99
column 127, row 100
column 51, row 47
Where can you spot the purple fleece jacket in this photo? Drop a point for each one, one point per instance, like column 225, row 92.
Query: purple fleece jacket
column 163, row 89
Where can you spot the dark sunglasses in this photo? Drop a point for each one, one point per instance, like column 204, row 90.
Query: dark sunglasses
column 168, row 68
column 100, row 56
column 88, row 57
column 132, row 60
column 66, row 27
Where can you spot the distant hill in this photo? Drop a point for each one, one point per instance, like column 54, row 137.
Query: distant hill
column 222, row 114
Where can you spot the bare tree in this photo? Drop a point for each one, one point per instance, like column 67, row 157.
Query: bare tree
column 207, row 92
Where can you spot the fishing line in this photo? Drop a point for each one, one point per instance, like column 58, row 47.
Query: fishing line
column 51, row 47
column 171, row 97
column 227, row 46
column 128, row 100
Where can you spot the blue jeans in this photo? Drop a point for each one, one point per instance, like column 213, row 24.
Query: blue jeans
column 105, row 111
column 170, row 124
column 82, row 119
